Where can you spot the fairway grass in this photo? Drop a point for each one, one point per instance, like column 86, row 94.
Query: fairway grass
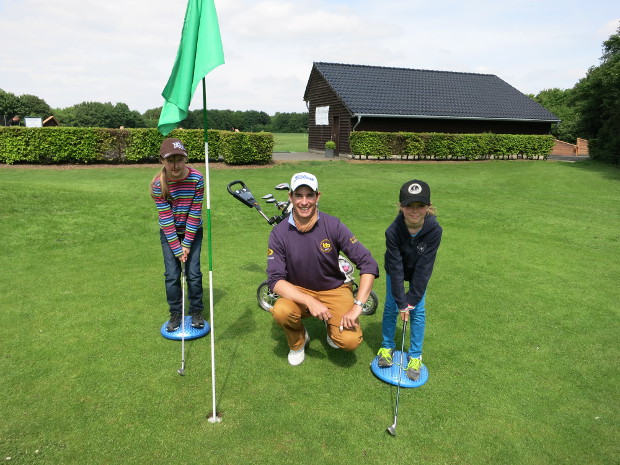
column 290, row 142
column 521, row 339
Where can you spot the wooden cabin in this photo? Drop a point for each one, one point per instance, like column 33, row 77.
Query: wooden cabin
column 342, row 98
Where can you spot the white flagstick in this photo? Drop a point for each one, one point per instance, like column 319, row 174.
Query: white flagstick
column 213, row 418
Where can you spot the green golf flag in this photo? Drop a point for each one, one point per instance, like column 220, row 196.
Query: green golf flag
column 200, row 51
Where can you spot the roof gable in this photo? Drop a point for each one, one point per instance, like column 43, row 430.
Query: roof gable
column 374, row 90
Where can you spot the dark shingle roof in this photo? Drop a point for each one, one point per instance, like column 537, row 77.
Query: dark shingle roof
column 376, row 90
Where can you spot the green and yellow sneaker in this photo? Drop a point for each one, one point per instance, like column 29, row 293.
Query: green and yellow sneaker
column 385, row 357
column 413, row 369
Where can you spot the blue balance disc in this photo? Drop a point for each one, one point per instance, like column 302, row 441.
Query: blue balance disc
column 390, row 374
column 190, row 333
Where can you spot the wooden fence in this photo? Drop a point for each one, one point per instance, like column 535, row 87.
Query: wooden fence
column 570, row 150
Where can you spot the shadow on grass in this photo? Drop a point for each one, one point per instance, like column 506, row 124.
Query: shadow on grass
column 318, row 334
column 604, row 169
column 244, row 324
column 373, row 335
column 253, row 267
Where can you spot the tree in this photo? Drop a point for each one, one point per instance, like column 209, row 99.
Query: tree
column 193, row 120
column 289, row 122
column 151, row 117
column 31, row 105
column 9, row 104
column 24, row 105
column 559, row 103
column 255, row 121
column 101, row 115
column 597, row 99
column 87, row 115
column 123, row 116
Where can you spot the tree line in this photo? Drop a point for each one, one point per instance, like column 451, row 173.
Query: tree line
column 108, row 115
column 591, row 109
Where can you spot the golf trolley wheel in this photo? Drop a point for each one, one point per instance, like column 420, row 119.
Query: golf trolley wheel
column 370, row 306
column 265, row 297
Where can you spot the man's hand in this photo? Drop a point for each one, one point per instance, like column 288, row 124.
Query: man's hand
column 318, row 310
column 350, row 320
column 289, row 291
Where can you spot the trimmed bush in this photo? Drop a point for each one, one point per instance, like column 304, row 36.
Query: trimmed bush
column 370, row 143
column 245, row 148
column 99, row 145
column 440, row 146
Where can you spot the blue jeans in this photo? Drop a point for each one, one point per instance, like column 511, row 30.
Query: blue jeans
column 172, row 275
column 417, row 319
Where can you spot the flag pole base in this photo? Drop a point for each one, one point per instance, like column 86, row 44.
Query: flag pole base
column 217, row 418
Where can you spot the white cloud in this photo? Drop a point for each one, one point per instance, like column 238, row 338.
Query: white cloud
column 72, row 51
column 608, row 28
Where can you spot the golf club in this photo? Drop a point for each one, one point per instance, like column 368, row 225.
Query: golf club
column 181, row 371
column 392, row 429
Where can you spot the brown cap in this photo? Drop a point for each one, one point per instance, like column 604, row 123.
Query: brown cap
column 172, row 146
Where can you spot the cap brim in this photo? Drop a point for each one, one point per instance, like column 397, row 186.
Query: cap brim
column 293, row 189
column 169, row 154
column 410, row 200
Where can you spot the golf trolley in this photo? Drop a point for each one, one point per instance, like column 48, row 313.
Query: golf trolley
column 266, row 298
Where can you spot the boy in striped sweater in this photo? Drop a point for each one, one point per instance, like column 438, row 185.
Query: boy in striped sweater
column 178, row 191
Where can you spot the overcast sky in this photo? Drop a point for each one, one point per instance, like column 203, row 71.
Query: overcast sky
column 71, row 51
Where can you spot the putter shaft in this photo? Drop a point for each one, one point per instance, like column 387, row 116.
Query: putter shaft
column 392, row 429
column 181, row 371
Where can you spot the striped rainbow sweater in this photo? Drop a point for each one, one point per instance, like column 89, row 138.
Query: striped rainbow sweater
column 182, row 214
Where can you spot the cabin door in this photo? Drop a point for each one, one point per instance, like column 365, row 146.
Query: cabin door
column 336, row 133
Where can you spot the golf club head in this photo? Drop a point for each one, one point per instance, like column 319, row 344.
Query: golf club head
column 181, row 371
column 392, row 430
column 283, row 187
column 267, row 196
column 271, row 200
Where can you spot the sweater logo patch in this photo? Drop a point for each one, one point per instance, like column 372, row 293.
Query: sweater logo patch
column 353, row 240
column 421, row 247
column 269, row 252
column 326, row 246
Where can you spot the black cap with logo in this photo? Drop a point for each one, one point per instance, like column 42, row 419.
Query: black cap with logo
column 415, row 191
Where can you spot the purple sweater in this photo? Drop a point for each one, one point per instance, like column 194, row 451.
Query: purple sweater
column 310, row 260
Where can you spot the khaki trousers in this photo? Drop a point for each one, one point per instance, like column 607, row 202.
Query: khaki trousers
column 289, row 314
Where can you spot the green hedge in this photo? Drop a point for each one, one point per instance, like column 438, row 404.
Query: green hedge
column 440, row 146
column 98, row 145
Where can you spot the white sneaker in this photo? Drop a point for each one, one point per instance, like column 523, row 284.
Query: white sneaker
column 296, row 357
column 332, row 343
column 329, row 339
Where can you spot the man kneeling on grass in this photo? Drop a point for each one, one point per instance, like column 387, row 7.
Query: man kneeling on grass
column 302, row 268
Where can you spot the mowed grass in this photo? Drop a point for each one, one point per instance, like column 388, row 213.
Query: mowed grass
column 290, row 142
column 521, row 342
